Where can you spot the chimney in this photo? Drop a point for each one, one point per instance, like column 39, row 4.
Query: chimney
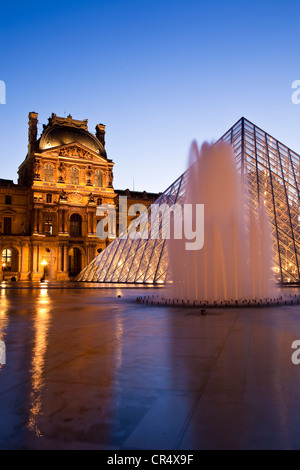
column 100, row 133
column 32, row 132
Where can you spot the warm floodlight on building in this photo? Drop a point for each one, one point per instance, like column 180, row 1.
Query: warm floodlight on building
column 44, row 264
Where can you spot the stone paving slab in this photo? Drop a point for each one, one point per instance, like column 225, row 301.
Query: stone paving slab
column 89, row 370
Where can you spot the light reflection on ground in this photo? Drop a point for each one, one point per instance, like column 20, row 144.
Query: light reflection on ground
column 87, row 369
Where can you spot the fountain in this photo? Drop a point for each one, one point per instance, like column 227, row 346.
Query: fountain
column 234, row 265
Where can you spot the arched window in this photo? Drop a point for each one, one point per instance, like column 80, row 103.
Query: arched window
column 98, row 178
column 48, row 173
column 74, row 175
column 10, row 260
column 75, row 225
column 6, row 259
column 99, row 201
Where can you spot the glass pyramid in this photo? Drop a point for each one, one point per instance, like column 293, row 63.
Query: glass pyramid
column 271, row 171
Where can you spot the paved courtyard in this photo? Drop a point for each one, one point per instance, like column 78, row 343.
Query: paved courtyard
column 86, row 369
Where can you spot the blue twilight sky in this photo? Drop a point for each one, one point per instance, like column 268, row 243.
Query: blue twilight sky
column 158, row 73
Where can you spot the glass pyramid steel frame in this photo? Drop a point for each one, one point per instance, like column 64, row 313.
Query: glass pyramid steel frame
column 270, row 170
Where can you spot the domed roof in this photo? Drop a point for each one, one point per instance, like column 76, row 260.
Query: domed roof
column 59, row 133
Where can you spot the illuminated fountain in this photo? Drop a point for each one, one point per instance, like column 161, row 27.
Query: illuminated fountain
column 235, row 262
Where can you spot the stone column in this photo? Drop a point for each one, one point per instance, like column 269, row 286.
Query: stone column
column 24, row 261
column 66, row 229
column 59, row 258
column 94, row 220
column 41, row 221
column 66, row 264
column 35, row 273
column 35, row 220
column 62, row 263
column 34, row 258
column 88, row 223
column 60, row 221
column 91, row 223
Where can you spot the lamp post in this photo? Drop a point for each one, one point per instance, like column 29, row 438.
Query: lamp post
column 44, row 264
column 3, row 267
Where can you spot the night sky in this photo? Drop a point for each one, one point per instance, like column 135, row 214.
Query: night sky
column 158, row 73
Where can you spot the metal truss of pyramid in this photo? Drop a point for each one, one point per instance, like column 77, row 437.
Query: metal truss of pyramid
column 271, row 170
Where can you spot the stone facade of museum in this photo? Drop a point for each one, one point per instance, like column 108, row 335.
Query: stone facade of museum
column 48, row 220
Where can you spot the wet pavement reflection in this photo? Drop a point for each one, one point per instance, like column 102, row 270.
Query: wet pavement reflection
column 86, row 369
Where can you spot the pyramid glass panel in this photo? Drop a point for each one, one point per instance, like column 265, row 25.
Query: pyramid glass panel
column 270, row 170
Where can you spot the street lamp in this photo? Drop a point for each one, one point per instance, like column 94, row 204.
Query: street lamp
column 3, row 267
column 44, row 264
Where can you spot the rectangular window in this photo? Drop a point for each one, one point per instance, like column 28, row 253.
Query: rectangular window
column 49, row 199
column 7, row 226
column 8, row 200
column 48, row 226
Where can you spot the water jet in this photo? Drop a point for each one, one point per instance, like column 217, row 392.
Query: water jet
column 235, row 261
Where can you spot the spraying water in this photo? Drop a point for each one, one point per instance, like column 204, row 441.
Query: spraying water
column 235, row 261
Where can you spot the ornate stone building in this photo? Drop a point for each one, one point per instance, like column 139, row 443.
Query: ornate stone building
column 48, row 220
